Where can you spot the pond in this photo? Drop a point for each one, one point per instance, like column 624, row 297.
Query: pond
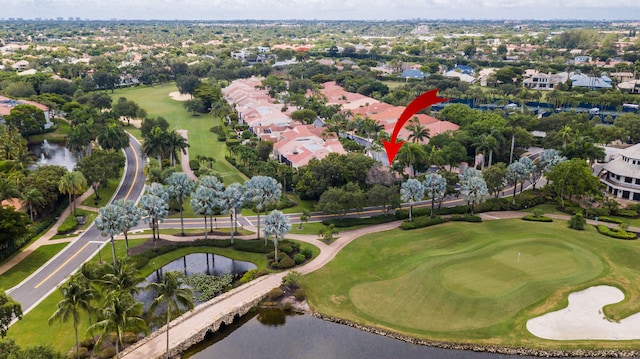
column 53, row 154
column 206, row 263
column 271, row 333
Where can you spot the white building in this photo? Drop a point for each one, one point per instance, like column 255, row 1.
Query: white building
column 622, row 175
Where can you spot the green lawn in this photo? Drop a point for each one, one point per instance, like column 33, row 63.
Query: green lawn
column 33, row 328
column 156, row 101
column 105, row 193
column 475, row 283
column 30, row 264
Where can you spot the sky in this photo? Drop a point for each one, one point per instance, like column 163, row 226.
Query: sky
column 322, row 9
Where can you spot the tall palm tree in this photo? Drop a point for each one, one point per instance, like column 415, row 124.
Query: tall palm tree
column 123, row 278
column 111, row 221
column 277, row 225
column 75, row 297
column 156, row 144
column 73, row 184
column 179, row 187
column 418, row 132
column 112, row 136
column 8, row 189
column 131, row 218
column 172, row 291
column 175, row 142
column 32, row 197
column 120, row 313
column 410, row 154
column 565, row 134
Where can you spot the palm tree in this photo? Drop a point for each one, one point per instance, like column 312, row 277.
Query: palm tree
column 111, row 221
column 73, row 184
column 231, row 202
column 565, row 134
column 514, row 121
column 418, row 132
column 120, row 313
column 156, row 144
column 205, row 201
column 76, row 296
column 179, row 187
column 32, row 197
column 131, row 218
column 410, row 154
column 123, row 278
column 112, row 136
column 263, row 191
column 176, row 142
column 155, row 207
column 172, row 291
column 8, row 189
column 277, row 225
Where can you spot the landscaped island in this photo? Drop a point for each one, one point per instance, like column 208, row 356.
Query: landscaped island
column 475, row 283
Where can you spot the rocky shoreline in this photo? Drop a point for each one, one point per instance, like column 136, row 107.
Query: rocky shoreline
column 609, row 353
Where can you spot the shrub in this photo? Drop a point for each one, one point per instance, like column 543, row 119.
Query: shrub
column 465, row 218
column 87, row 343
column 286, row 262
column 285, row 248
column 254, row 246
column 307, row 253
column 291, row 278
column 249, row 276
column 350, row 222
column 421, row 222
column 68, row 225
column 615, row 232
column 300, row 294
column 129, row 337
column 82, row 353
column 533, row 218
column 222, row 138
column 577, row 221
column 275, row 293
column 299, row 258
column 610, row 220
column 538, row 213
column 194, row 165
column 287, row 306
column 107, row 353
column 627, row 213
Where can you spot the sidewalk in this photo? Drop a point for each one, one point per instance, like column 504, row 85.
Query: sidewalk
column 45, row 239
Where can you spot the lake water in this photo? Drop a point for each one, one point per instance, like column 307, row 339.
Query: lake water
column 53, row 154
column 269, row 333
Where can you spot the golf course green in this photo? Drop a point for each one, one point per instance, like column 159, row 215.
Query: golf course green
column 473, row 282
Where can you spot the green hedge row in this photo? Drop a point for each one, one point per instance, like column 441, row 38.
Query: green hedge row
column 531, row 217
column 421, row 222
column 351, row 222
column 610, row 220
column 615, row 232
column 465, row 218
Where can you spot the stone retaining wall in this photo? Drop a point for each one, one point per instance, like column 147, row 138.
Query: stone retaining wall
column 611, row 353
column 214, row 323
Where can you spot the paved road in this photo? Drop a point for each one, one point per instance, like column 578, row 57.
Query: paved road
column 38, row 286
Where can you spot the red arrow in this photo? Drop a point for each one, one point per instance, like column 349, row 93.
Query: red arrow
column 421, row 102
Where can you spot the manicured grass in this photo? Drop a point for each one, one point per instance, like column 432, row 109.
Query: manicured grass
column 105, row 193
column 307, row 228
column 176, row 231
column 475, row 283
column 156, row 101
column 30, row 264
column 59, row 135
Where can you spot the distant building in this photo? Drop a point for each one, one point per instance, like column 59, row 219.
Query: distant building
column 590, row 82
column 542, row 81
column 413, row 74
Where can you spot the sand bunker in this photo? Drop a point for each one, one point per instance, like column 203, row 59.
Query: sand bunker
column 583, row 318
column 176, row 95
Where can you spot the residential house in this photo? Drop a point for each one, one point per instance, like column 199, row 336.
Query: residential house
column 461, row 76
column 20, row 65
column 299, row 144
column 622, row 76
column 622, row 175
column 413, row 74
column 632, row 86
column 542, row 81
column 590, row 82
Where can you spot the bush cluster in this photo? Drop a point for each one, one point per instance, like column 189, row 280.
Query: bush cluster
column 275, row 293
column 351, row 222
column 300, row 294
column 421, row 222
column 533, row 218
column 615, row 232
column 68, row 225
column 465, row 218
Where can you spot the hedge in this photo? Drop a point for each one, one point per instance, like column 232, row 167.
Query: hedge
column 350, row 222
column 531, row 217
column 627, row 213
column 610, row 220
column 615, row 232
column 421, row 222
column 465, row 218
